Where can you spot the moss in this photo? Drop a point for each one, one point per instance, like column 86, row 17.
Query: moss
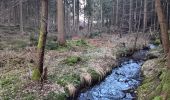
column 71, row 60
column 157, row 85
column 157, row 42
column 151, row 86
column 166, row 83
column 55, row 96
column 66, row 79
column 94, row 74
column 36, row 74
column 149, row 90
column 158, row 98
column 40, row 40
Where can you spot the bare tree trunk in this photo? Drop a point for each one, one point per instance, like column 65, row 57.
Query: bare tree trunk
column 117, row 11
column 135, row 14
column 130, row 17
column 167, row 13
column 145, row 16
column 42, row 40
column 101, row 14
column 74, row 16
column 21, row 18
column 152, row 18
column 113, row 18
column 77, row 24
column 60, row 21
column 139, row 22
column 163, row 26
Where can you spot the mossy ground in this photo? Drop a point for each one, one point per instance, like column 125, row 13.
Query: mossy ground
column 157, row 86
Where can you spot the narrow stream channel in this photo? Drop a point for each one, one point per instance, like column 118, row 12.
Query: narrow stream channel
column 120, row 85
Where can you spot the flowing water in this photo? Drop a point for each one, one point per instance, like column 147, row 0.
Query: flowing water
column 120, row 85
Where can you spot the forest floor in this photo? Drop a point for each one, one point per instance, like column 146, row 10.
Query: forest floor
column 77, row 64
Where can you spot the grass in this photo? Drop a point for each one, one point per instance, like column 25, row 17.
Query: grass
column 68, row 79
column 94, row 74
column 59, row 73
column 55, row 96
column 13, row 44
column 72, row 60
column 8, row 87
column 158, row 98
column 123, row 52
column 70, row 44
column 28, row 96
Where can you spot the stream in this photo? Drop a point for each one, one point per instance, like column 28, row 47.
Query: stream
column 121, row 83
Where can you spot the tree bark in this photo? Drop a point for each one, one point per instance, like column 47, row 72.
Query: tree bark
column 145, row 16
column 163, row 26
column 77, row 10
column 117, row 11
column 130, row 17
column 21, row 18
column 42, row 36
column 60, row 21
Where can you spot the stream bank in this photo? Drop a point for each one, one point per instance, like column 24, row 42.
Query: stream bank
column 156, row 78
column 122, row 82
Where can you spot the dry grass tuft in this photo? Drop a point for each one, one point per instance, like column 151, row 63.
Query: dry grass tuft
column 86, row 78
column 71, row 90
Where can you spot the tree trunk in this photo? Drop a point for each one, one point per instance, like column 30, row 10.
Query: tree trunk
column 60, row 21
column 42, row 40
column 21, row 18
column 74, row 16
column 145, row 16
column 139, row 22
column 77, row 24
column 101, row 15
column 117, row 11
column 130, row 17
column 163, row 26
